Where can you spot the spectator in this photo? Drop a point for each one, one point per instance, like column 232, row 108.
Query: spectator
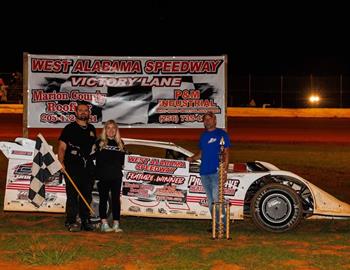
column 3, row 91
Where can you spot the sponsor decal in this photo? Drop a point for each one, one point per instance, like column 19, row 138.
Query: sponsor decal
column 195, row 186
column 22, row 172
column 21, row 153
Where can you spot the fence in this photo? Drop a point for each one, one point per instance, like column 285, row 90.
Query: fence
column 267, row 91
column 289, row 91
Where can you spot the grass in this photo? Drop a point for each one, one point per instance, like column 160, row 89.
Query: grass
column 108, row 249
column 37, row 253
column 180, row 244
column 262, row 256
column 150, row 243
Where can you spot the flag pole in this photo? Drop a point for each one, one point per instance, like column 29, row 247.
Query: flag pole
column 76, row 188
column 63, row 170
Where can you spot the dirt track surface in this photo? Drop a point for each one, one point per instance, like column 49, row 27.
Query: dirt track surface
column 321, row 130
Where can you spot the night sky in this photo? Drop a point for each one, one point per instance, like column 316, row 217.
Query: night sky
column 294, row 38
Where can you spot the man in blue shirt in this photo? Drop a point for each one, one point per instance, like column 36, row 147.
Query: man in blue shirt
column 209, row 153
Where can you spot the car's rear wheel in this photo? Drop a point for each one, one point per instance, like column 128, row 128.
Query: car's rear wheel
column 276, row 208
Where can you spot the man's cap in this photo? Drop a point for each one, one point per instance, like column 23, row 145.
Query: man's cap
column 209, row 113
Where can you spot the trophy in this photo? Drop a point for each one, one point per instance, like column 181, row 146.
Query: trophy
column 218, row 229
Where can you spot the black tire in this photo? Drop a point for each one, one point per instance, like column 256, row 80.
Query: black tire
column 276, row 208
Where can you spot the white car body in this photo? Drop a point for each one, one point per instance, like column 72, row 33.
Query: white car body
column 168, row 186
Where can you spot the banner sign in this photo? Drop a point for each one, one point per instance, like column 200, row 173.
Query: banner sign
column 158, row 187
column 156, row 165
column 156, row 92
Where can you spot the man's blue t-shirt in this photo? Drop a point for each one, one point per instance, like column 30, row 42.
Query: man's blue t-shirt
column 209, row 144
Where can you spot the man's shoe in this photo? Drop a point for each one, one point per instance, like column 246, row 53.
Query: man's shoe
column 105, row 228
column 73, row 227
column 86, row 225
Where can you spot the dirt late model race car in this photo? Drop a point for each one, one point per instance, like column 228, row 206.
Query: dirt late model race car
column 159, row 182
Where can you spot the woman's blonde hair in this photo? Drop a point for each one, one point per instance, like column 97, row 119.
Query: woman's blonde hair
column 117, row 138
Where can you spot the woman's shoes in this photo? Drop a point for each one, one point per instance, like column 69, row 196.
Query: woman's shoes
column 116, row 227
column 105, row 228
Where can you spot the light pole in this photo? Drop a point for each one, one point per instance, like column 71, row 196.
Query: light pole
column 249, row 88
column 341, row 90
column 281, row 92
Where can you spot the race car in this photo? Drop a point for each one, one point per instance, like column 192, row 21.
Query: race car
column 159, row 182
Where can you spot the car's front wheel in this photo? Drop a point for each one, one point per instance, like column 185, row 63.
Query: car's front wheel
column 276, row 208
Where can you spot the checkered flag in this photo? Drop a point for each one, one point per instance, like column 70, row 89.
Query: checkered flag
column 44, row 165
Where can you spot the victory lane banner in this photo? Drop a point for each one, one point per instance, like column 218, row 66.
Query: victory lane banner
column 140, row 92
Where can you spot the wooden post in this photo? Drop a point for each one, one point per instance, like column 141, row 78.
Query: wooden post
column 25, row 95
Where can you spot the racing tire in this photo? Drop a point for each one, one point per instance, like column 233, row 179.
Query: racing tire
column 276, row 208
